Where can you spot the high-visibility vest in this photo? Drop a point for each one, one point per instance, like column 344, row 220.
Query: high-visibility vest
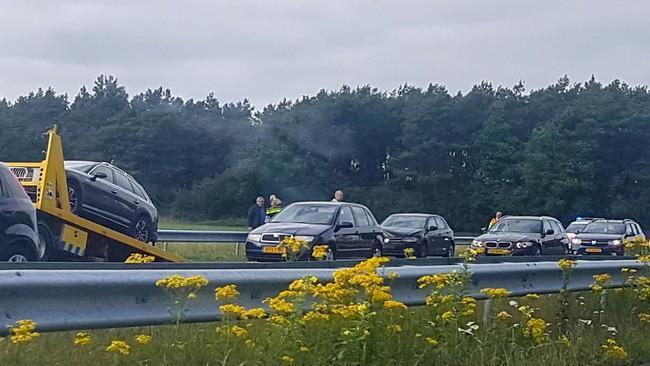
column 272, row 211
column 492, row 222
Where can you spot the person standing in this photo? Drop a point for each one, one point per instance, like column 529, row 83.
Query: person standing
column 494, row 220
column 256, row 214
column 274, row 209
column 338, row 196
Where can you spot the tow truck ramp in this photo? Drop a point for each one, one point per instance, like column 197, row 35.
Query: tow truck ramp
column 65, row 234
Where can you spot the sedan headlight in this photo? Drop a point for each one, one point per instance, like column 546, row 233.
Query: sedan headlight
column 523, row 244
column 576, row 241
column 616, row 242
column 409, row 239
column 254, row 237
column 477, row 243
column 307, row 238
column 386, row 240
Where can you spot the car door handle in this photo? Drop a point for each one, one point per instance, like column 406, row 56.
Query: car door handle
column 136, row 202
column 114, row 191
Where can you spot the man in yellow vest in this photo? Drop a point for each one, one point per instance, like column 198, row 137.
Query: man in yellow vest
column 494, row 220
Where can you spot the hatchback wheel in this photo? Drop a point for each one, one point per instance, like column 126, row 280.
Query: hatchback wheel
column 451, row 250
column 142, row 230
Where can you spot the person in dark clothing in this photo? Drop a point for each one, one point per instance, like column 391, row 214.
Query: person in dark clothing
column 256, row 214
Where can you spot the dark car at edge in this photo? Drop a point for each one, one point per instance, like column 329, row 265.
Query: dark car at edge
column 19, row 240
column 426, row 234
column 607, row 237
column 523, row 235
column 348, row 229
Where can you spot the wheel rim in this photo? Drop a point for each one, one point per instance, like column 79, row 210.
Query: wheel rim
column 450, row 251
column 141, row 231
column 18, row 258
column 72, row 198
column 376, row 252
column 330, row 255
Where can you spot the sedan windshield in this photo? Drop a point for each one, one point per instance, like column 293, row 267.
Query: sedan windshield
column 574, row 228
column 517, row 226
column 605, row 228
column 307, row 214
column 415, row 222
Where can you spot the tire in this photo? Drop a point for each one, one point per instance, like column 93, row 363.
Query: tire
column 16, row 253
column 538, row 250
column 46, row 240
column 421, row 250
column 142, row 229
column 331, row 254
column 451, row 250
column 75, row 196
column 377, row 250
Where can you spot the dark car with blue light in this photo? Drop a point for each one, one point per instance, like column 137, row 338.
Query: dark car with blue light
column 607, row 237
column 425, row 234
column 348, row 230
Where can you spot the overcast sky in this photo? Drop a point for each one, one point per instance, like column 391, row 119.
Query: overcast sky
column 267, row 50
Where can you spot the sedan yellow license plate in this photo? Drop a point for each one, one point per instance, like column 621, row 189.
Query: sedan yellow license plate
column 593, row 250
column 498, row 251
column 274, row 250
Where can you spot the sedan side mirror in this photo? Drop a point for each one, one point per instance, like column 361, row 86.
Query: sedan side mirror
column 99, row 175
column 484, row 230
column 433, row 228
column 550, row 232
column 343, row 225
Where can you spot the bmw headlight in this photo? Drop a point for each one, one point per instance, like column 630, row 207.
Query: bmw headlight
column 477, row 243
column 307, row 238
column 616, row 242
column 576, row 241
column 409, row 239
column 523, row 244
column 386, row 240
column 254, row 237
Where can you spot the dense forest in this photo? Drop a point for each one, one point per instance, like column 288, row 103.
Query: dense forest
column 565, row 150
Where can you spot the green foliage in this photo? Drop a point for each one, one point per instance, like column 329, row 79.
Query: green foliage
column 564, row 150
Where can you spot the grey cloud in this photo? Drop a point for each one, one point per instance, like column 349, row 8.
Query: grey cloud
column 268, row 50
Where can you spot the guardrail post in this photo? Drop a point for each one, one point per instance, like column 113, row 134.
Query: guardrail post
column 487, row 312
column 237, row 249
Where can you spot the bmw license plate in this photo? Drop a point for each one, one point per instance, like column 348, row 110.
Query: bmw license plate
column 593, row 250
column 274, row 250
column 499, row 251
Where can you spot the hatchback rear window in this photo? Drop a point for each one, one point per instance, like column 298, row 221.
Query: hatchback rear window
column 10, row 185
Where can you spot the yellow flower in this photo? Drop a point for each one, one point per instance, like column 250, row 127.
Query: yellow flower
column 566, row 264
column 391, row 304
column 532, row 297
column 396, row 328
column 232, row 310
column 628, row 270
column 439, row 280
column 432, row 342
column 239, row 331
column 447, row 315
column 409, row 253
column 319, row 252
column 255, row 313
column 249, row 343
column 536, row 330
column 613, row 351
column 82, row 339
column 143, row 339
column 304, row 349
column 644, row 317
column 596, row 288
column 565, row 341
column 119, row 347
column 643, row 258
column 496, row 292
column 287, row 359
column 177, row 281
column 314, row 316
column 601, row 278
column 279, row 320
column 139, row 258
column 280, row 305
column 393, row 275
column 228, row 292
column 23, row 331
column 504, row 315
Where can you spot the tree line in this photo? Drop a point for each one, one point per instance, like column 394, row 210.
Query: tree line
column 565, row 150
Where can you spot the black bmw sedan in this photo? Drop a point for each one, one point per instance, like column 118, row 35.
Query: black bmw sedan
column 349, row 230
column 524, row 235
column 426, row 234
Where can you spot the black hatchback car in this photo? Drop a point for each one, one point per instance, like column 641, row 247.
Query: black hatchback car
column 607, row 237
column 18, row 232
column 107, row 195
column 348, row 229
column 426, row 234
column 524, row 235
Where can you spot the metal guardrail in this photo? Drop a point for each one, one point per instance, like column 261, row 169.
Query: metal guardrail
column 217, row 237
column 126, row 295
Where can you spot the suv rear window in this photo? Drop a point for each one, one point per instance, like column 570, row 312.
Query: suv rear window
column 10, row 185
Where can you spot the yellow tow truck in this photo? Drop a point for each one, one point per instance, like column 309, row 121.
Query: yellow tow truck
column 66, row 234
